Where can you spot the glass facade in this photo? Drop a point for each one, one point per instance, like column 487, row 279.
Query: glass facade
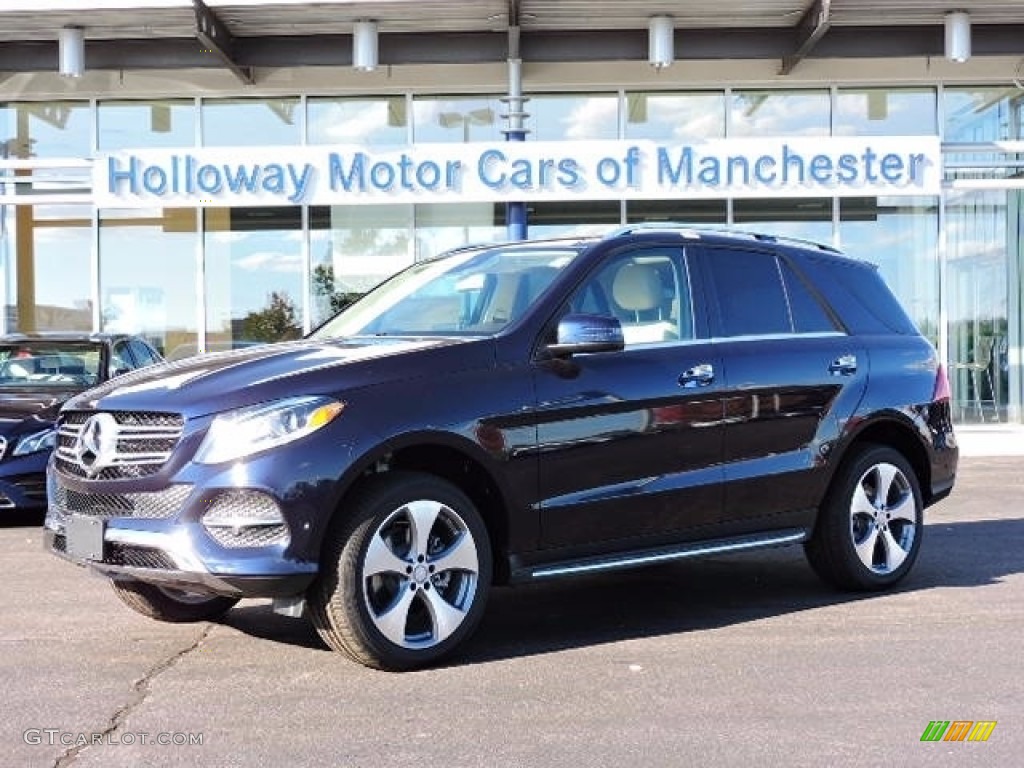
column 253, row 266
column 148, row 276
column 195, row 280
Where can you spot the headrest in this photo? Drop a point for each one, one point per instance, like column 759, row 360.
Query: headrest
column 637, row 287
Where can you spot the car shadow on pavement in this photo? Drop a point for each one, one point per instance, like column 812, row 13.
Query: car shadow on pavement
column 683, row 597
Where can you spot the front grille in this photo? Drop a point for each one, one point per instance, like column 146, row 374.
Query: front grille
column 157, row 505
column 126, row 555
column 128, row 418
column 142, row 443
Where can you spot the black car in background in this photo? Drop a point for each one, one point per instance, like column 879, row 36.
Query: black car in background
column 38, row 372
column 514, row 413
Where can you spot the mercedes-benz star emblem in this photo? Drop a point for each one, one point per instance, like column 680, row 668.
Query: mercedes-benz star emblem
column 96, row 443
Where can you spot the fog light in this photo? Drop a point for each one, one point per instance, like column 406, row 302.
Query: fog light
column 245, row 518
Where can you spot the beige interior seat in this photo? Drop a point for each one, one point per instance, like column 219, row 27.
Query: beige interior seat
column 637, row 290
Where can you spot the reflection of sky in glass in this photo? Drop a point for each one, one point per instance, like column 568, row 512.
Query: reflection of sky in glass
column 886, row 111
column 250, row 122
column 62, row 242
column 445, row 226
column 982, row 114
column 806, row 219
column 243, row 269
column 900, row 235
column 371, row 122
column 155, row 294
column 362, row 245
column 780, row 113
column 457, row 119
column 136, row 124
column 54, row 129
column 573, row 118
column 675, row 116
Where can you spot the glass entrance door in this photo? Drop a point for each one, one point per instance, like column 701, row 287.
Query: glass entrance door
column 983, row 258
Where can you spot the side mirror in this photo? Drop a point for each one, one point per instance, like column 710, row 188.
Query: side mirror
column 586, row 334
column 118, row 371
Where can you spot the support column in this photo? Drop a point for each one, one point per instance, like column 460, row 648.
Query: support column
column 515, row 212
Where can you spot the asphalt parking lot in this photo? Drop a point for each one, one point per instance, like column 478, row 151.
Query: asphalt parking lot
column 746, row 660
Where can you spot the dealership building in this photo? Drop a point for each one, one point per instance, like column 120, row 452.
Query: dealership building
column 211, row 174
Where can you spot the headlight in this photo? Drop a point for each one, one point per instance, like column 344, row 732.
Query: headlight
column 246, row 431
column 37, row 441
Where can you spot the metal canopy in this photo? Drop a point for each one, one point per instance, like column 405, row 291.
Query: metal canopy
column 146, row 34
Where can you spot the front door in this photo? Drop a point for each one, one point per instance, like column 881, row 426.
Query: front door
column 630, row 442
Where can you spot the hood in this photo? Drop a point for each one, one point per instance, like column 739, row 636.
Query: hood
column 36, row 408
column 218, row 382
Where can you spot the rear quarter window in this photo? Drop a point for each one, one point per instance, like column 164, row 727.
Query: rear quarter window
column 858, row 293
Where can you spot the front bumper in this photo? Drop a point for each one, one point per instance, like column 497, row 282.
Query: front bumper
column 203, row 582
column 158, row 537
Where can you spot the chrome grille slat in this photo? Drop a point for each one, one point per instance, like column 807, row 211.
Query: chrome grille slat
column 144, row 442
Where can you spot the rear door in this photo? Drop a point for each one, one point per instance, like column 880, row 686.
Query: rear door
column 791, row 374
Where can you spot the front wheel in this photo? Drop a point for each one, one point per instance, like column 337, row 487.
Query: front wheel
column 171, row 605
column 868, row 532
column 405, row 575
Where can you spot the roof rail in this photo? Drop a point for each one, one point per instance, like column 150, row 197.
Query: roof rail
column 685, row 230
column 692, row 232
column 571, row 239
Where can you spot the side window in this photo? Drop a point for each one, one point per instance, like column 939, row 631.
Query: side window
column 647, row 290
column 141, row 353
column 808, row 315
column 120, row 358
column 750, row 299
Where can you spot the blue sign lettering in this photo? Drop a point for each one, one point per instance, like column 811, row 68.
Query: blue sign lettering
column 543, row 171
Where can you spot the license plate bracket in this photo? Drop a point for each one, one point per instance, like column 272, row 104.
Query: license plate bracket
column 84, row 537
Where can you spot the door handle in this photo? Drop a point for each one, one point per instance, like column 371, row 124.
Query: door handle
column 844, row 365
column 698, row 376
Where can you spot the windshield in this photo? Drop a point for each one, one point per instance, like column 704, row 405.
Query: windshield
column 470, row 293
column 45, row 364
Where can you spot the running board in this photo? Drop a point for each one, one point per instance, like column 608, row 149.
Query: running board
column 641, row 558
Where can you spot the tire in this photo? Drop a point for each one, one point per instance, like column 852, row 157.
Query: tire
column 868, row 532
column 171, row 605
column 405, row 574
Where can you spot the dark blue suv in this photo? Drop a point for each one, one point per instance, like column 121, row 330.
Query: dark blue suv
column 511, row 413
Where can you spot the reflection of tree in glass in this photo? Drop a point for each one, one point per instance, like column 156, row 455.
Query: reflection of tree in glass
column 323, row 287
column 275, row 323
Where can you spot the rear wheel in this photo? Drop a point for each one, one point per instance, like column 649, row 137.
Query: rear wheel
column 869, row 529
column 171, row 605
column 405, row 576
